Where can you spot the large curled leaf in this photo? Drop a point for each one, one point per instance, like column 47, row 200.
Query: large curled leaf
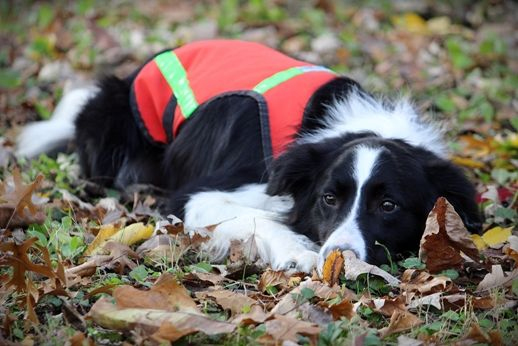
column 445, row 238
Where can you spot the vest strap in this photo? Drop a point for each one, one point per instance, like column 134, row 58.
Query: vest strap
column 176, row 76
column 283, row 76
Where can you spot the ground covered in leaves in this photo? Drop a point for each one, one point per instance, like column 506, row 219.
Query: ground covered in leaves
column 84, row 265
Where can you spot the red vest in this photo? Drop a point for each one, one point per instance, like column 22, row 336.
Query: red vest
column 169, row 88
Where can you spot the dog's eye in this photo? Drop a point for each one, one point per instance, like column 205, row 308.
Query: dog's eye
column 329, row 199
column 388, row 206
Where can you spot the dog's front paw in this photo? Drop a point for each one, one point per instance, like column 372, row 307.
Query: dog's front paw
column 295, row 262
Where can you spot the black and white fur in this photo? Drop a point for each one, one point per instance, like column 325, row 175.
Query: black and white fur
column 360, row 171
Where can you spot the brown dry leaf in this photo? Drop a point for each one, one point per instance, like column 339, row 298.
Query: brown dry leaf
column 243, row 251
column 414, row 280
column 354, row 267
column 333, row 267
column 497, row 278
column 345, row 308
column 15, row 197
column 166, row 294
column 284, row 328
column 400, row 321
column 255, row 316
column 228, row 300
column 19, row 195
column 89, row 267
column 173, row 227
column 31, row 299
column 109, row 315
column 444, row 238
column 511, row 249
column 484, row 303
column 289, row 304
column 388, row 306
column 79, row 339
column 162, row 247
column 271, row 278
column 16, row 256
column 477, row 335
column 200, row 278
column 118, row 257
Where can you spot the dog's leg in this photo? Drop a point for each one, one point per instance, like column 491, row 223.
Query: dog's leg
column 250, row 214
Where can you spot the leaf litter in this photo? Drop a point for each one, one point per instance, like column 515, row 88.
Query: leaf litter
column 145, row 280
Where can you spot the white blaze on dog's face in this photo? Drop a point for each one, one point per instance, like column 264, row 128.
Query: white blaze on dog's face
column 347, row 234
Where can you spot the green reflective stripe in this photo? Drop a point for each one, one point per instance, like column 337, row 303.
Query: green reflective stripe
column 176, row 77
column 277, row 79
column 283, row 76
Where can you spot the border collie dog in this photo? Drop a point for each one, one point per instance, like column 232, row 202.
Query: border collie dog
column 299, row 159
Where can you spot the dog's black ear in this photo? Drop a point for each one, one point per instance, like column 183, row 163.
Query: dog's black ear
column 294, row 171
column 451, row 183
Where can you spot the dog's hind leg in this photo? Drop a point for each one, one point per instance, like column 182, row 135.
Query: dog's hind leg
column 246, row 214
column 46, row 136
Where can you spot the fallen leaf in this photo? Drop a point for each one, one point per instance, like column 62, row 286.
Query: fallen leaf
column 444, row 238
column 109, row 315
column 166, row 294
column 387, row 306
column 354, row 267
column 104, row 233
column 511, row 249
column 18, row 194
column 414, row 280
column 15, row 197
column 283, row 328
column 333, row 267
column 128, row 235
column 496, row 236
column 79, row 339
column 118, row 256
column 214, row 279
column 243, row 251
column 228, row 300
column 404, row 340
column 255, row 316
column 173, row 227
column 497, row 278
column 467, row 162
column 433, row 299
column 477, row 335
column 162, row 247
column 290, row 302
column 400, row 321
column 479, row 242
column 344, row 308
column 411, row 22
column 132, row 234
column 17, row 257
column 271, row 278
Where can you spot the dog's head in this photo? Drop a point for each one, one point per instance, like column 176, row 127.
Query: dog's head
column 355, row 190
column 111, row 147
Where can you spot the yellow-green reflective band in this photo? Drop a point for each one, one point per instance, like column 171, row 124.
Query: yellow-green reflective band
column 283, row 76
column 176, row 77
